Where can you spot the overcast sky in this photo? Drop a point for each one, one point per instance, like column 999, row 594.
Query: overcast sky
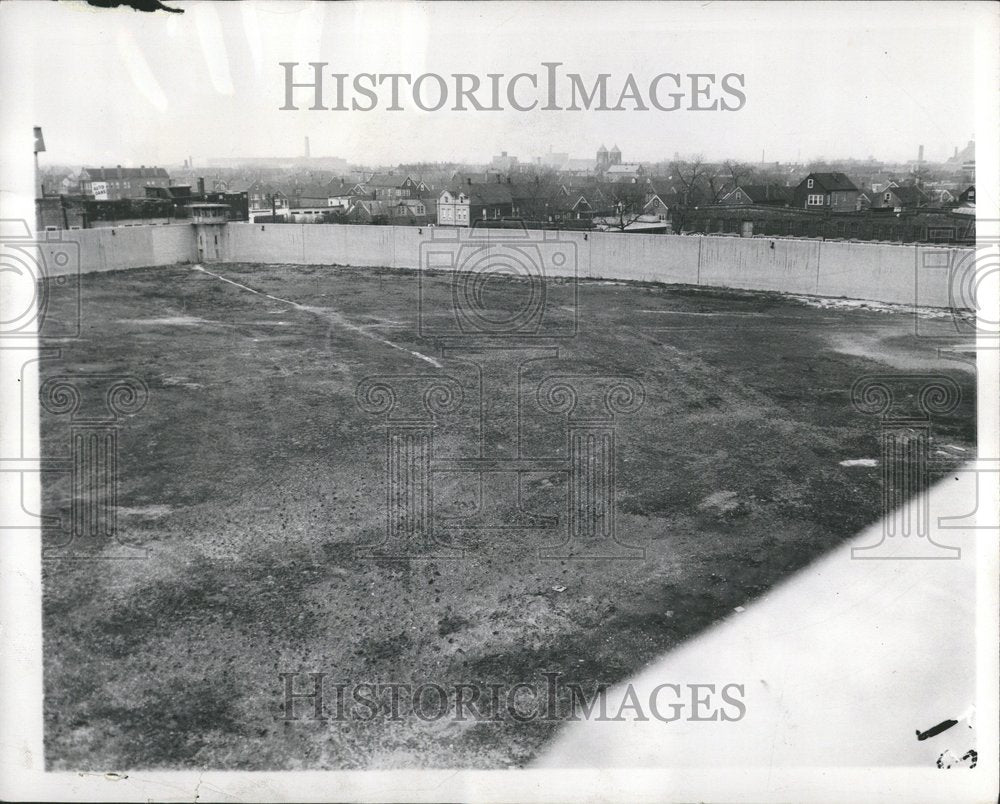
column 117, row 86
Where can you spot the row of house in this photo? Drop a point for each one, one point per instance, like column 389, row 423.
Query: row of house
column 617, row 196
column 836, row 193
column 646, row 204
column 378, row 195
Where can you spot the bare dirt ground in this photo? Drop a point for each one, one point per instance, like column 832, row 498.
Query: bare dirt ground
column 251, row 477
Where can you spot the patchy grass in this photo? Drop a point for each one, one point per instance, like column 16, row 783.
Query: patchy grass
column 264, row 476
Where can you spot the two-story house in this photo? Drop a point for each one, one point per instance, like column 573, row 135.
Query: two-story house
column 830, row 192
column 390, row 187
column 471, row 202
column 262, row 197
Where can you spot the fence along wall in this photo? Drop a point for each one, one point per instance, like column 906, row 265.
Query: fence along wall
column 871, row 271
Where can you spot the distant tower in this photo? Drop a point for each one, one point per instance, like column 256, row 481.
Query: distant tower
column 307, row 147
column 616, row 156
column 920, row 154
column 602, row 158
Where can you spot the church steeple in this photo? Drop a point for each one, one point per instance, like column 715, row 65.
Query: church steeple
column 602, row 157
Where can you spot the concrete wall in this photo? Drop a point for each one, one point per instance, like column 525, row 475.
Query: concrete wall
column 114, row 249
column 789, row 266
column 872, row 271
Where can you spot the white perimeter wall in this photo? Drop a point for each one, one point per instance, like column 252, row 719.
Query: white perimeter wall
column 117, row 248
column 873, row 271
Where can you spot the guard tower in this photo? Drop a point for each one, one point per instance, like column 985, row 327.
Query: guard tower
column 208, row 221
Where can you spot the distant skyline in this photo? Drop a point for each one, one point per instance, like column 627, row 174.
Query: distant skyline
column 822, row 81
column 318, row 161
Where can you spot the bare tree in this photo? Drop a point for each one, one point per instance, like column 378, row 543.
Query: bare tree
column 738, row 172
column 627, row 201
column 690, row 175
column 716, row 184
column 536, row 195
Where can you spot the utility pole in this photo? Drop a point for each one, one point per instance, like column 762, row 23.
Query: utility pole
column 39, row 148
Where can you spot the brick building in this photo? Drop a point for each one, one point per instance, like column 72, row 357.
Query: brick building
column 112, row 184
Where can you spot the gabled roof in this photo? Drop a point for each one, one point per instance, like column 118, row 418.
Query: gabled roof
column 385, row 180
column 668, row 196
column 371, row 206
column 908, row 194
column 763, row 193
column 832, row 182
column 411, row 203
